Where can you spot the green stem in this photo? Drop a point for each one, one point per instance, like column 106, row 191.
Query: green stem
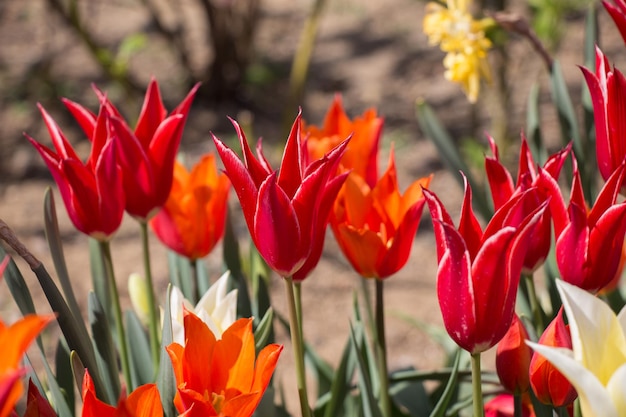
column 105, row 250
column 368, row 305
column 153, row 319
column 381, row 351
column 477, row 390
column 535, row 307
column 298, row 346
column 195, row 293
column 297, row 288
column 517, row 405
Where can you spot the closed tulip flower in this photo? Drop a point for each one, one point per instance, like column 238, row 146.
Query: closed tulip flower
column 549, row 385
column 478, row 272
column 147, row 154
column 92, row 192
column 193, row 218
column 513, row 358
column 285, row 209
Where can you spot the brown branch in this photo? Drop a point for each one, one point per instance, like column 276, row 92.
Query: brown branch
column 7, row 234
column 515, row 23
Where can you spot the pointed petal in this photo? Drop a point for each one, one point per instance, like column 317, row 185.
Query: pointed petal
column 276, row 227
column 152, row 113
column 469, row 227
column 291, row 167
column 85, row 117
column 439, row 216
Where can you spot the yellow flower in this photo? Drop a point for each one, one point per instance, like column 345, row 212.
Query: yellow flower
column 463, row 38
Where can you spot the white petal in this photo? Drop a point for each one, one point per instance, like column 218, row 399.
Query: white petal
column 595, row 400
column 598, row 341
column 617, row 390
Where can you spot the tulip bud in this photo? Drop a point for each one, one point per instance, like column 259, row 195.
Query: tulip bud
column 138, row 297
column 513, row 358
column 549, row 385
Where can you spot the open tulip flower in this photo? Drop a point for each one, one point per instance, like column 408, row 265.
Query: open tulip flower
column 286, row 210
column 549, row 385
column 92, row 192
column 193, row 218
column 596, row 364
column 14, row 340
column 361, row 156
column 144, row 401
column 588, row 242
column 220, row 377
column 503, row 406
column 146, row 155
column 502, row 189
column 478, row 272
column 375, row 227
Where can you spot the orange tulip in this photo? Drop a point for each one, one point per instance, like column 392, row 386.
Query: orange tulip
column 144, row 401
column 220, row 377
column 362, row 153
column 375, row 226
column 192, row 220
column 14, row 340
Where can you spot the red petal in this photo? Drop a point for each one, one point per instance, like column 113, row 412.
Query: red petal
column 152, row 114
column 292, row 164
column 277, row 232
column 85, row 117
column 605, row 247
column 468, row 224
column 439, row 216
column 572, row 246
column 455, row 289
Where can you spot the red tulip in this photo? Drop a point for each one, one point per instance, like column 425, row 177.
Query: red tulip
column 361, row 156
column 513, row 358
column 92, row 191
column 589, row 242
column 375, row 227
column 549, row 385
column 502, row 189
column 36, row 404
column 146, row 155
column 618, row 13
column 503, row 406
column 286, row 210
column 193, row 218
column 478, row 272
column 144, row 401
column 608, row 95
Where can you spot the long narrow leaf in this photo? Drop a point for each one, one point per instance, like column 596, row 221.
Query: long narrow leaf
column 264, row 330
column 368, row 399
column 166, row 381
column 64, row 376
column 141, row 364
column 53, row 236
column 448, row 393
column 342, row 381
column 104, row 349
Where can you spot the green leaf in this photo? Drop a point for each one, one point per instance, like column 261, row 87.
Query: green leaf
column 53, row 236
column 58, row 398
column 202, row 278
column 64, row 375
column 166, row 381
column 565, row 110
column 411, row 398
column 17, row 286
column 368, row 399
column 99, row 280
column 141, row 364
column 104, row 349
column 448, row 393
column 533, row 125
column 448, row 151
column 230, row 248
column 342, row 382
column 263, row 330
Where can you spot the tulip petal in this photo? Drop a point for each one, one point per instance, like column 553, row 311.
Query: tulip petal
column 256, row 170
column 85, row 117
column 439, row 216
column 469, row 227
column 152, row 114
column 455, row 290
column 241, row 179
column 291, row 167
column 277, row 227
column 595, row 400
column 597, row 336
column 572, row 246
column 616, row 390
